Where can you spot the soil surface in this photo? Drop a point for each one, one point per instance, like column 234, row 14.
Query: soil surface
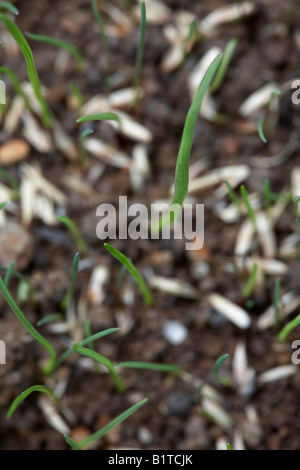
column 192, row 411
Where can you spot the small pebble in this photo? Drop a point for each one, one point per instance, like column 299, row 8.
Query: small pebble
column 175, row 332
column 179, row 403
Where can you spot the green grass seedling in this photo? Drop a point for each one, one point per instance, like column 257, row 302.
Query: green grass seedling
column 7, row 6
column 276, row 300
column 183, row 158
column 140, row 53
column 147, row 296
column 150, row 366
column 74, row 51
column 31, row 70
column 288, row 328
column 250, row 283
column 250, row 211
column 260, row 129
column 105, row 362
column 100, row 117
column 20, row 398
column 221, row 380
column 227, row 56
column 79, row 241
column 99, row 434
column 69, row 294
column 50, row 366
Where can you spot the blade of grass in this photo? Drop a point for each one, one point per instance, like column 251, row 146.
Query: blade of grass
column 71, row 442
column 85, row 341
column 276, row 300
column 250, row 283
column 182, row 165
column 232, row 196
column 7, row 6
column 288, row 328
column 227, row 56
column 50, row 318
column 31, row 70
column 105, row 362
column 118, row 420
column 140, row 53
column 216, row 369
column 2, row 205
column 149, row 366
column 48, row 369
column 77, row 94
column 147, row 296
column 79, row 241
column 69, row 294
column 100, row 117
column 61, row 44
column 105, row 43
column 260, row 129
column 250, row 211
column 9, row 273
column 20, row 398
column 83, row 154
column 15, row 84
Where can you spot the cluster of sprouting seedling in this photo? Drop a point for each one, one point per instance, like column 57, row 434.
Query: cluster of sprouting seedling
column 211, row 80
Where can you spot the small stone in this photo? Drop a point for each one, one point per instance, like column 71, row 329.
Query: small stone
column 175, row 332
column 179, row 403
column 16, row 244
column 13, row 151
column 144, row 435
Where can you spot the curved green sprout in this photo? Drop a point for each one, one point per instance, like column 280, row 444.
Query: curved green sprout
column 221, row 380
column 149, row 366
column 50, row 366
column 61, row 44
column 288, row 328
column 100, row 117
column 104, row 361
column 7, row 6
column 20, row 398
column 227, row 56
column 31, row 70
column 147, row 296
column 98, row 434
column 79, row 241
column 183, row 158
column 260, row 129
column 140, row 52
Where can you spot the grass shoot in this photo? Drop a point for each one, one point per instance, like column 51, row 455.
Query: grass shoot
column 183, row 158
column 69, row 294
column 250, row 211
column 227, row 56
column 78, row 239
column 140, row 53
column 20, row 398
column 31, row 70
column 250, row 282
column 260, row 129
column 147, row 296
column 288, row 328
column 112, row 424
column 50, row 366
column 73, row 50
column 221, row 380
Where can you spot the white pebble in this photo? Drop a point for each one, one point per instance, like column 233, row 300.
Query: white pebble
column 175, row 332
